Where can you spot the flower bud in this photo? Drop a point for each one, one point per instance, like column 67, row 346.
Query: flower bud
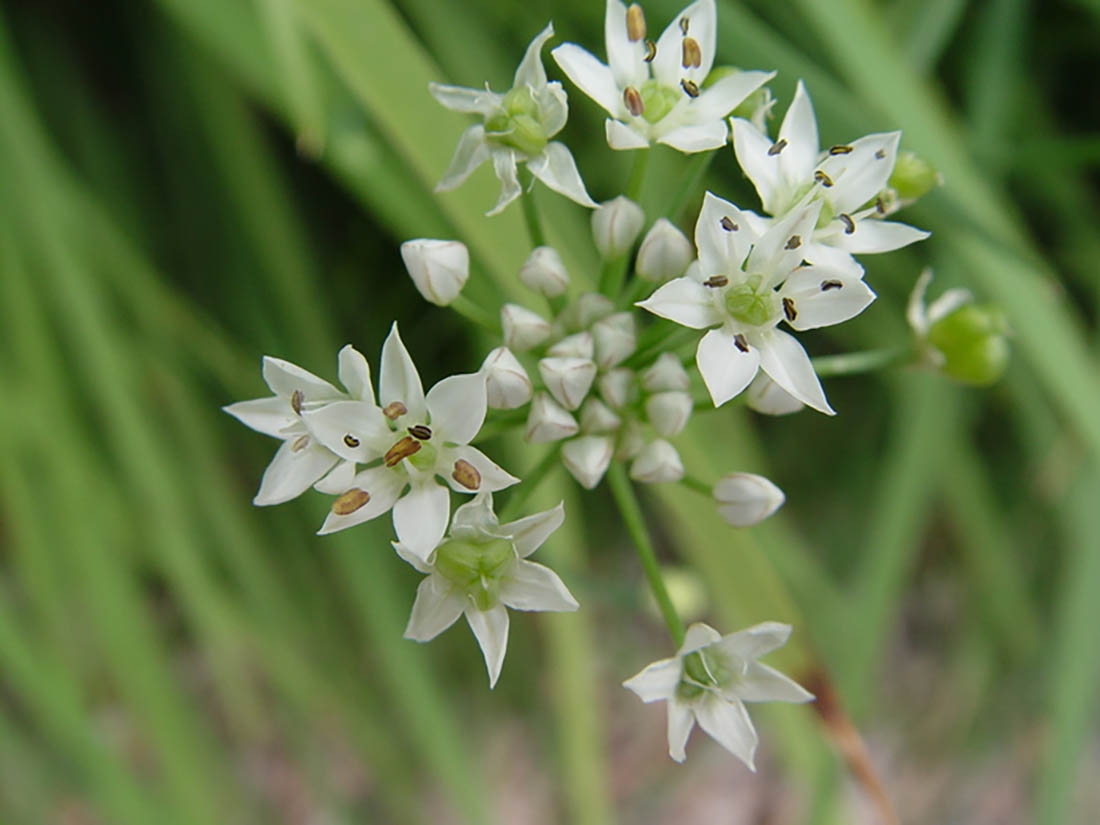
column 438, row 268
column 587, row 458
column 568, row 379
column 615, row 226
column 666, row 373
column 664, row 254
column 972, row 340
column 745, row 499
column 597, row 417
column 913, row 177
column 658, row 462
column 548, row 421
column 523, row 329
column 617, row 387
column 767, row 397
column 631, row 440
column 506, row 383
column 579, row 345
column 585, row 311
column 615, row 339
column 544, row 272
column 669, row 412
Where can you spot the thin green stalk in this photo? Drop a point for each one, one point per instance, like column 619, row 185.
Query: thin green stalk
column 631, row 512
column 854, row 363
column 476, row 314
column 692, row 177
column 697, row 485
column 637, row 175
column 531, row 214
column 530, row 483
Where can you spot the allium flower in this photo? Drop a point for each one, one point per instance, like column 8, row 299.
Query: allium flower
column 746, row 283
column 709, row 680
column 517, row 129
column 847, row 179
column 658, row 92
column 407, row 440
column 480, row 570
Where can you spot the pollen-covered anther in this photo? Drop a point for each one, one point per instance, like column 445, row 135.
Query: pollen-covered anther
column 831, row 284
column 632, row 99
column 296, row 399
column 741, row 342
column 840, row 149
column 404, row 448
column 823, row 179
column 690, row 87
column 728, row 224
column 788, row 309
column 880, row 154
column 715, row 281
column 635, row 23
column 466, row 474
column 650, row 51
column 793, row 242
column 351, row 441
column 349, row 502
column 692, row 55
column 777, row 147
column 880, row 205
column 849, row 224
column 299, row 444
column 420, row 431
column 394, row 410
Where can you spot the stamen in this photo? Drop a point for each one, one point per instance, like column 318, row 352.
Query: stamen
column 881, row 154
column 296, row 399
column 684, row 22
column 299, row 444
column 728, row 224
column 690, row 87
column 394, row 410
column 692, row 55
column 793, row 242
column 849, row 224
column 420, row 431
column 635, row 23
column 831, row 284
column 351, row 441
column 350, row 501
column 788, row 309
column 880, row 205
column 633, row 100
column 401, row 450
column 715, row 281
column 823, row 179
column 466, row 474
column 650, row 51
column 741, row 342
column 840, row 149
column 777, row 147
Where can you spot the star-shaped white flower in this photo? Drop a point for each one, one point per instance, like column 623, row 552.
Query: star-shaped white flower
column 480, row 570
column 517, row 129
column 302, row 459
column 846, row 178
column 406, row 441
column 746, row 283
column 657, row 92
column 709, row 680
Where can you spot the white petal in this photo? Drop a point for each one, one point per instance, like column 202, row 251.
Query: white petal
column 624, row 56
column 354, row 372
column 492, row 477
column 470, row 153
column 338, row 480
column 915, row 312
column 555, row 167
column 729, row 725
column 779, row 250
column 529, row 533
column 468, row 101
column 383, row 485
column 799, row 129
column 399, row 380
column 621, row 137
column 756, row 641
column 947, row 303
column 767, row 397
column 752, row 149
column 702, row 137
column 490, row 627
column 718, row 100
column 530, row 71
column 860, row 175
column 701, row 17
column 697, row 636
column 535, row 587
column 504, row 165
column 721, row 250
column 407, row 557
column 591, row 76
column 270, row 416
column 438, row 606
column 871, row 236
column 420, row 517
column 783, row 358
column 587, row 458
column 680, row 723
column 476, row 517
column 726, row 370
column 684, row 301
column 293, row 471
column 821, row 251
column 761, row 683
column 354, row 430
column 657, row 681
column 822, row 297
column 457, row 406
column 284, row 378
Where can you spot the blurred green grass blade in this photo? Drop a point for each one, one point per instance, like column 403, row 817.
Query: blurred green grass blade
column 926, row 28
column 995, row 71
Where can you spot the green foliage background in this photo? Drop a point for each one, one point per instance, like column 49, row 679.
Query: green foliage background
column 188, row 184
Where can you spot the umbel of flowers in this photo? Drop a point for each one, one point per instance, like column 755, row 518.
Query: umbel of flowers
column 586, row 372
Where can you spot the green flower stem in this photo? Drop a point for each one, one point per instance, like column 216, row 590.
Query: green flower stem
column 853, row 363
column 692, row 177
column 530, row 212
column 530, row 483
column 637, row 174
column 697, row 486
column 499, row 423
column 472, row 312
column 612, row 276
column 631, row 512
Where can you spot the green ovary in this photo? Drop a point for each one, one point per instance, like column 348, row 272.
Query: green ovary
column 747, row 303
column 476, row 567
column 517, row 124
column 703, row 670
column 658, row 100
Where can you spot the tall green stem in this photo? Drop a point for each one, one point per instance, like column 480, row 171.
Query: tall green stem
column 637, row 174
column 531, row 216
column 851, row 363
column 691, row 178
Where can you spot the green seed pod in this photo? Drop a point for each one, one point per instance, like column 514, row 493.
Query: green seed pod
column 973, row 342
column 913, row 177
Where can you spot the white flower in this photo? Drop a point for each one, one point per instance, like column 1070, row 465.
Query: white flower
column 544, row 272
column 748, row 282
column 709, row 680
column 302, row 459
column 517, row 129
column 615, row 226
column 744, row 498
column 664, row 254
column 846, row 178
column 480, row 570
column 506, row 383
column 439, row 269
column 664, row 98
column 407, row 440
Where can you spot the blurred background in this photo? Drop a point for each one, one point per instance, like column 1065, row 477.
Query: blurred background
column 186, row 185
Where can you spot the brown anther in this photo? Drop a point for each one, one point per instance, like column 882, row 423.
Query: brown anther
column 777, row 147
column 394, row 410
column 420, row 431
column 635, row 23
column 351, row 441
column 788, row 309
column 880, row 205
column 881, row 154
column 849, row 224
column 741, row 342
column 650, row 51
column 296, row 399
column 831, row 284
column 728, row 224
column 691, row 54
column 299, row 444
column 793, row 242
column 632, row 98
column 715, row 281
column 350, row 501
column 690, row 87
column 684, row 22
column 823, row 179
column 466, row 474
column 840, row 149
column 401, row 450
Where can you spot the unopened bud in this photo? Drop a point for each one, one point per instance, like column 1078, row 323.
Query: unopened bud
column 745, row 499
column 597, row 417
column 664, row 254
column 615, row 339
column 438, row 268
column 544, row 272
column 548, row 421
column 587, row 310
column 568, row 379
column 617, row 387
column 913, row 177
column 523, row 329
column 615, row 226
column 657, row 463
column 587, row 458
column 506, row 383
column 580, row 345
column 767, row 397
column 666, row 373
column 669, row 412
column 972, row 340
column 631, row 440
